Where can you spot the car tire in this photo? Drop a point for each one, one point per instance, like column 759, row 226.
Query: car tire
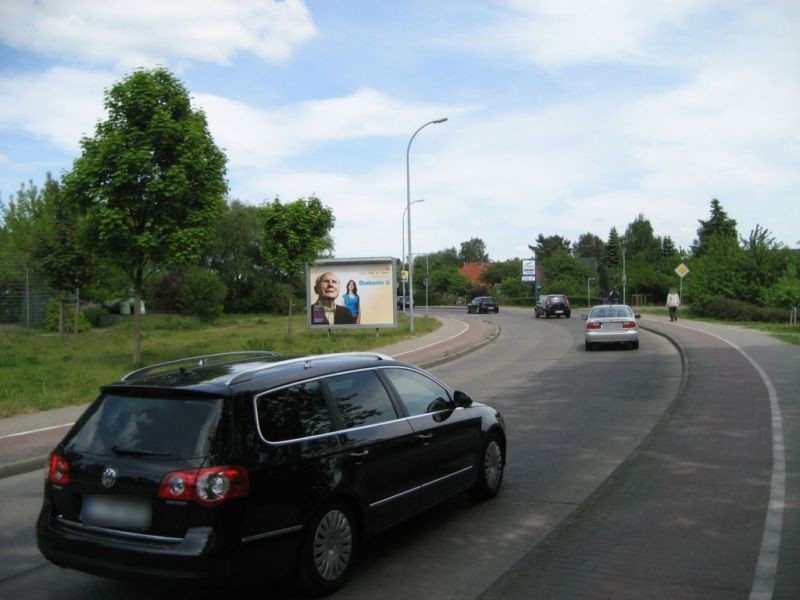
column 490, row 468
column 535, row 315
column 635, row 345
column 568, row 315
column 588, row 346
column 328, row 549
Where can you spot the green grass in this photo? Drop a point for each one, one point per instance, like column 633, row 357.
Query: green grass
column 41, row 371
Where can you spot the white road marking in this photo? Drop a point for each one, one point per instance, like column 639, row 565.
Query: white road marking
column 767, row 565
column 11, row 435
column 466, row 327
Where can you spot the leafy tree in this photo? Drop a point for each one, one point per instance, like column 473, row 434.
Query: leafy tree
column 499, row 271
column 62, row 260
column 719, row 225
column 295, row 234
column 201, row 294
column 639, row 239
column 473, row 251
column 546, row 246
column 151, row 180
column 589, row 246
column 235, row 255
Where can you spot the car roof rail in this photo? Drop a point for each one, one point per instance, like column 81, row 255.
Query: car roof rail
column 199, row 361
column 308, row 362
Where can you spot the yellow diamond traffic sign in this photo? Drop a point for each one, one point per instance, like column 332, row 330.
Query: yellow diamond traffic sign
column 682, row 270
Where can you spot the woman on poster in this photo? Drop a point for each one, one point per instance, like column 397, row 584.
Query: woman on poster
column 353, row 301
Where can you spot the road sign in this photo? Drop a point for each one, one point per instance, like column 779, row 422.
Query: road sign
column 529, row 278
column 682, row 270
column 404, row 276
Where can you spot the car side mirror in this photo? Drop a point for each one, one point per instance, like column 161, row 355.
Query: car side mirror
column 638, row 316
column 584, row 317
column 461, row 399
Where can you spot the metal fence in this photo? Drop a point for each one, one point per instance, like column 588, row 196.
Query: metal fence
column 23, row 293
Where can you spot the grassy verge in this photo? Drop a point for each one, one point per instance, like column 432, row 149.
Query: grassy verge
column 41, row 371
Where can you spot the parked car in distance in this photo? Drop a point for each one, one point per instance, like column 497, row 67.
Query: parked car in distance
column 611, row 324
column 403, row 303
column 230, row 465
column 483, row 304
column 552, row 305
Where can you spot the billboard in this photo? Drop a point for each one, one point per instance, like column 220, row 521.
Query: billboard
column 352, row 292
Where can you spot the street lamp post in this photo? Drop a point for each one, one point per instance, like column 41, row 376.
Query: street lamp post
column 588, row 302
column 408, row 208
column 403, row 254
column 624, row 274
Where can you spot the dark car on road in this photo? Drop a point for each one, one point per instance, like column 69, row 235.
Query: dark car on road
column 483, row 304
column 253, row 463
column 552, row 305
column 403, row 302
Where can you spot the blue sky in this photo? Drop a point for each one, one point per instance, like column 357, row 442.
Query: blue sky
column 563, row 117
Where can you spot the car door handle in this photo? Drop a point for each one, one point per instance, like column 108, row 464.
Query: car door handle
column 360, row 453
column 425, row 436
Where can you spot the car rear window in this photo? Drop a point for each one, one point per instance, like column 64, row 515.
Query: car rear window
column 149, row 427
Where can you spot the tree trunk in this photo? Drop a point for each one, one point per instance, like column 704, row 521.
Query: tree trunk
column 77, row 310
column 291, row 296
column 137, row 319
column 61, row 314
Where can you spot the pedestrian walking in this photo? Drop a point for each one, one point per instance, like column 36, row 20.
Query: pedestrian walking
column 673, row 302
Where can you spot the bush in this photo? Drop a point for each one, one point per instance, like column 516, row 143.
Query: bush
column 728, row 309
column 51, row 321
column 201, row 294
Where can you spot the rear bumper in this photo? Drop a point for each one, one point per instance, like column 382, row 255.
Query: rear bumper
column 199, row 556
column 614, row 337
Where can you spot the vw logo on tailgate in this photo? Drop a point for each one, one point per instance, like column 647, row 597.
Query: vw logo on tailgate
column 109, row 477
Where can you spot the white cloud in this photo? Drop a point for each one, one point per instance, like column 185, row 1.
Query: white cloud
column 130, row 34
column 555, row 34
column 59, row 105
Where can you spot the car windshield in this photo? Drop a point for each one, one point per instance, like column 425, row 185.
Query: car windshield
column 148, row 427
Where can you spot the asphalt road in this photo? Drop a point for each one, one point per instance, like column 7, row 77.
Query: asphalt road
column 624, row 479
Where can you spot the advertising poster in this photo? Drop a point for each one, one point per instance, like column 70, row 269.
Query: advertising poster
column 358, row 292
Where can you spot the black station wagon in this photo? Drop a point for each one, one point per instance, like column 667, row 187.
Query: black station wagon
column 236, row 463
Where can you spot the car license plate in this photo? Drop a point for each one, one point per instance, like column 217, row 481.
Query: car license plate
column 116, row 511
column 559, row 312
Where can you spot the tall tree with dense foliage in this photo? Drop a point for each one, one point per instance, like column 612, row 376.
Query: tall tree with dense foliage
column 235, row 255
column 589, row 245
column 473, row 251
column 60, row 257
column 719, row 225
column 295, row 234
column 151, row 180
column 545, row 246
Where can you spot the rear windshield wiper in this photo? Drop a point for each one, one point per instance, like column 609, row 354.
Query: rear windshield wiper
column 131, row 452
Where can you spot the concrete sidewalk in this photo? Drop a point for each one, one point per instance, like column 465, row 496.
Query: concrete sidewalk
column 26, row 440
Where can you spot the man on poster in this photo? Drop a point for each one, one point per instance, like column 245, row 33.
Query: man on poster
column 325, row 311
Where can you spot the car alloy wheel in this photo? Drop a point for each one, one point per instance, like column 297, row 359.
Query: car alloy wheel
column 490, row 475
column 328, row 550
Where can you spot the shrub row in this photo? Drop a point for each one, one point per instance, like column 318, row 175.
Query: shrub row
column 737, row 310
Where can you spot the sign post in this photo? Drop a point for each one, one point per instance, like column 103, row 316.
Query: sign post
column 682, row 270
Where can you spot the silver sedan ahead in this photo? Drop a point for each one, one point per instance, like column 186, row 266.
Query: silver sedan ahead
column 611, row 324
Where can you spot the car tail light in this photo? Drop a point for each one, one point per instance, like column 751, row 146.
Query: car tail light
column 566, row 302
column 208, row 486
column 629, row 325
column 594, row 325
column 58, row 470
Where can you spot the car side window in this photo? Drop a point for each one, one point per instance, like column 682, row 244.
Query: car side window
column 419, row 394
column 361, row 399
column 295, row 412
